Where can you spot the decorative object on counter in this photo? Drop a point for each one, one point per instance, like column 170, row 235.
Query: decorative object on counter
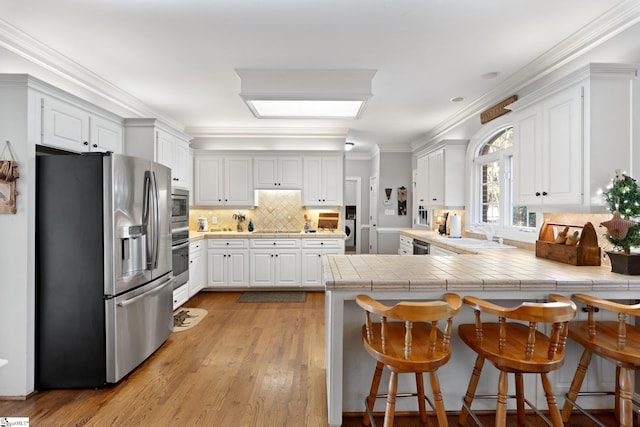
column 251, row 228
column 585, row 251
column 239, row 217
column 402, row 200
column 442, row 228
column 573, row 239
column 8, row 176
column 328, row 220
column 203, row 224
column 623, row 201
column 186, row 318
column 307, row 223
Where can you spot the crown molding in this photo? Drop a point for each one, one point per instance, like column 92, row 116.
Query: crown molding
column 24, row 45
column 613, row 22
column 271, row 132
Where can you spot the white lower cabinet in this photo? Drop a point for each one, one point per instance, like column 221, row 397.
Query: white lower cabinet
column 228, row 263
column 197, row 267
column 406, row 245
column 275, row 262
column 312, row 251
column 180, row 296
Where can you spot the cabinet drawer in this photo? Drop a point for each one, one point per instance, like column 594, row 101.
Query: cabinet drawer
column 196, row 247
column 227, row 243
column 324, row 244
column 180, row 296
column 275, row 243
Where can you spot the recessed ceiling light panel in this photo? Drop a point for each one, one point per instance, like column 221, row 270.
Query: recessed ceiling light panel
column 273, row 93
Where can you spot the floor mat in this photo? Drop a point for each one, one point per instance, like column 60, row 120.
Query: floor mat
column 272, row 296
column 185, row 318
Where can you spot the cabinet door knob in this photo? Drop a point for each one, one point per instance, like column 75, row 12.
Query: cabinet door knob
column 86, row 143
column 537, row 194
column 276, row 255
column 544, row 193
column 95, row 145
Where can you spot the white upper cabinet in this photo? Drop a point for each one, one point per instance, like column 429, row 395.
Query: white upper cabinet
column 223, row 181
column 277, row 172
column 570, row 137
column 549, row 151
column 323, row 181
column 153, row 140
column 71, row 127
column 440, row 175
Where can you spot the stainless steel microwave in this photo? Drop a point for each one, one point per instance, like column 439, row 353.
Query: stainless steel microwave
column 179, row 206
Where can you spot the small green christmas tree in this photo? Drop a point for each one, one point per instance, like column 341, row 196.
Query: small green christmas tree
column 623, row 200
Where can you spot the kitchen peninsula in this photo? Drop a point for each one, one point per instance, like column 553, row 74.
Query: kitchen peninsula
column 505, row 275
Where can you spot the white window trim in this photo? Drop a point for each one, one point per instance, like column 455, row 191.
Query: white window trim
column 473, row 196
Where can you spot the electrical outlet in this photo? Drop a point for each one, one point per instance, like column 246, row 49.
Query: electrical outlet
column 214, row 220
column 389, row 211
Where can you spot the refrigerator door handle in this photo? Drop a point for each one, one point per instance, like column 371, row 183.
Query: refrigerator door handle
column 145, row 217
column 156, row 220
column 146, row 294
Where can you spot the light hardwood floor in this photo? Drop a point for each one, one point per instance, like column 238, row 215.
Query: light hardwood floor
column 243, row 365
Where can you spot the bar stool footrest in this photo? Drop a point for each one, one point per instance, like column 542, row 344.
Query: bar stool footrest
column 384, row 396
column 509, row 396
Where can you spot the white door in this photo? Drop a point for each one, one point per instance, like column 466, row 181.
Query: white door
column 373, row 215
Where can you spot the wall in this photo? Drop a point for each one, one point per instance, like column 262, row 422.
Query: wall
column 276, row 210
column 395, row 172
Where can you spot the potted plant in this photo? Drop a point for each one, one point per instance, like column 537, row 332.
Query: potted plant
column 623, row 201
column 239, row 217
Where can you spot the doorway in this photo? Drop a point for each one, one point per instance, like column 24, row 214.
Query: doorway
column 352, row 214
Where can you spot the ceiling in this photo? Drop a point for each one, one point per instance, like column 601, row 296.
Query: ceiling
column 178, row 57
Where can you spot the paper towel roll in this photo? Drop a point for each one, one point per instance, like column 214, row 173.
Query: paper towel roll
column 455, row 226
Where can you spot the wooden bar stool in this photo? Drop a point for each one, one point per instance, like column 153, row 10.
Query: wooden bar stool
column 517, row 348
column 616, row 341
column 407, row 340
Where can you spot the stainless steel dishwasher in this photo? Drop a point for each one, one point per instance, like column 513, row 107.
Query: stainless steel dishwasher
column 420, row 247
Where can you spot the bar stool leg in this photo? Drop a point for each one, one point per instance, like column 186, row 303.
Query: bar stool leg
column 420, row 391
column 391, row 400
column 617, row 395
column 375, row 385
column 437, row 400
column 576, row 384
column 626, row 410
column 471, row 390
column 501, row 408
column 554, row 411
column 520, row 399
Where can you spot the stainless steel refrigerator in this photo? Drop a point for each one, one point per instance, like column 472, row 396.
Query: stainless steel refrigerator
column 104, row 278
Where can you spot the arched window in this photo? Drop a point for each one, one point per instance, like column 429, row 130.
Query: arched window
column 494, row 167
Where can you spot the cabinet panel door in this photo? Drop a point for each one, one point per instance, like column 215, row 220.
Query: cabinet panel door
column 311, row 267
column 65, row 126
column 105, row 135
column 216, row 266
column 180, row 168
column 262, row 267
column 238, row 268
column 287, row 270
column 422, row 180
column 528, row 148
column 208, row 185
column 265, row 171
column 290, row 172
column 435, row 183
column 239, row 181
column 332, row 181
column 312, row 185
column 563, row 156
column 164, row 149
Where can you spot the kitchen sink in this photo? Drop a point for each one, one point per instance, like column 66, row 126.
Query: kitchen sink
column 468, row 242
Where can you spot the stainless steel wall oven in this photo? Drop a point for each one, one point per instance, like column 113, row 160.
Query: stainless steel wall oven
column 180, row 235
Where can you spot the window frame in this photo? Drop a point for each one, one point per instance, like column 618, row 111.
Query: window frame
column 474, row 181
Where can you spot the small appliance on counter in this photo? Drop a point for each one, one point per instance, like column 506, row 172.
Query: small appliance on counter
column 203, row 224
column 442, row 228
column 455, row 226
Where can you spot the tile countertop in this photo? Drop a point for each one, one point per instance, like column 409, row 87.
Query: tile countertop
column 477, row 269
column 199, row 235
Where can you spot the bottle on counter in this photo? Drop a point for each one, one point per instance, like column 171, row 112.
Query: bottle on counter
column 250, row 225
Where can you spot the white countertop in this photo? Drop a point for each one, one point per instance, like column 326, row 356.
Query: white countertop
column 198, row 235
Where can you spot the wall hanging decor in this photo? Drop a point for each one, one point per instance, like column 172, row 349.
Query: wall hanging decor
column 8, row 176
column 402, row 201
